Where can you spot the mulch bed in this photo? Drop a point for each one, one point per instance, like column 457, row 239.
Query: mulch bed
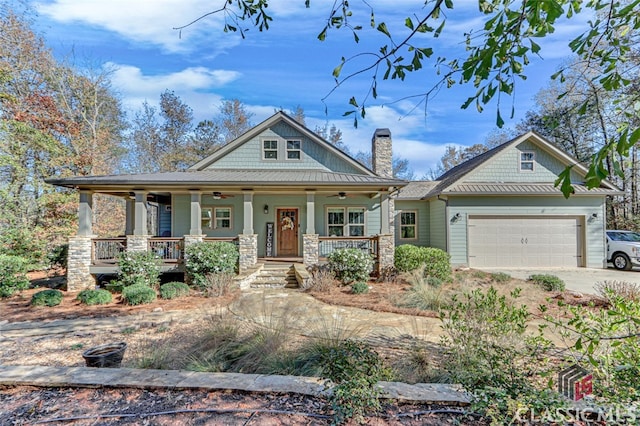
column 112, row 406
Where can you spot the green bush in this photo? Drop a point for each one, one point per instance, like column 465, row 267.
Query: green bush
column 359, row 287
column 23, row 242
column 173, row 290
column 138, row 267
column 57, row 256
column 13, row 274
column 94, row 297
column 548, row 282
column 138, row 294
column 355, row 369
column 436, row 262
column 500, row 277
column 350, row 264
column 46, row 298
column 210, row 257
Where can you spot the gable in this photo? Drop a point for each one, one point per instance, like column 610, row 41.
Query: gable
column 506, row 166
column 311, row 155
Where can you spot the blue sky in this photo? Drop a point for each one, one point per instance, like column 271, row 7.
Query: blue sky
column 287, row 66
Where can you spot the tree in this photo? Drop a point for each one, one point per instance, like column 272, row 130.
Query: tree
column 399, row 166
column 234, row 119
column 495, row 57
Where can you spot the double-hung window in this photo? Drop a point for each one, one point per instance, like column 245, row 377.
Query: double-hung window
column 206, row 215
column 526, row 161
column 293, row 150
column 270, row 149
column 408, row 225
column 345, row 221
column 222, row 217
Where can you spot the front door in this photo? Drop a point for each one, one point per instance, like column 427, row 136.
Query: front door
column 287, row 232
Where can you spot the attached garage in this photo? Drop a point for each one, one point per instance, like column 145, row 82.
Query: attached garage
column 525, row 241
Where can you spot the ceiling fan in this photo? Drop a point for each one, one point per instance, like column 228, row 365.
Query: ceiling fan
column 219, row 195
column 340, row 195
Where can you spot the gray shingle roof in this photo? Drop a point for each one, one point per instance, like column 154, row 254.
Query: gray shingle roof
column 230, row 177
column 416, row 190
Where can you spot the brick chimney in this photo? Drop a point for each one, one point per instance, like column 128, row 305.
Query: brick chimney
column 381, row 153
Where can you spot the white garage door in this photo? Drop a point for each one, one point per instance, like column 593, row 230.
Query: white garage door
column 525, row 241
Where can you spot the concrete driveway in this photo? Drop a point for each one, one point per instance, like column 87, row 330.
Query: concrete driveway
column 577, row 279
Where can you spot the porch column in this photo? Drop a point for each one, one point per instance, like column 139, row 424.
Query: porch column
column 196, row 213
column 85, row 214
column 386, row 239
column 130, row 216
column 248, row 213
column 311, row 213
column 384, row 214
column 310, row 241
column 140, row 212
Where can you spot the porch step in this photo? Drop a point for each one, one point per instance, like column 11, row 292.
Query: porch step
column 276, row 276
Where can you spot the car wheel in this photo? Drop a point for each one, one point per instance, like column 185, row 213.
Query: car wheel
column 621, row 261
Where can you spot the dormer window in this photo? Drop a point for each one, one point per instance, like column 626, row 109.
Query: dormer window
column 527, row 159
column 270, row 149
column 293, row 150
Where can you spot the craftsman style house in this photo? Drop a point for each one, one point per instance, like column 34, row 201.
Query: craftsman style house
column 281, row 192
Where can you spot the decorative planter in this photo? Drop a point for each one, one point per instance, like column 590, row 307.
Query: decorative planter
column 105, row 356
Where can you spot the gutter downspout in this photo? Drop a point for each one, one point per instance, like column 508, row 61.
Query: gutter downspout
column 446, row 222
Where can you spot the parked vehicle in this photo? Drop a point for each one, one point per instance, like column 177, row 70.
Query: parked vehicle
column 623, row 249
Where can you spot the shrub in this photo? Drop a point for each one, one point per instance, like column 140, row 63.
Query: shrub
column 359, row 287
column 174, row 289
column 58, row 255
column 322, row 277
column 436, row 262
column 138, row 267
column 500, row 277
column 350, row 264
column 624, row 289
column 94, row 297
column 47, row 298
column 548, row 282
column 355, row 369
column 210, row 257
column 138, row 294
column 425, row 292
column 24, row 242
column 218, row 284
column 13, row 274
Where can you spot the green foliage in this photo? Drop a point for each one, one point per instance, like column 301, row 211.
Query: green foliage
column 425, row 292
column 355, row 369
column 94, row 297
column 138, row 267
column 138, row 294
column 359, row 287
column 609, row 342
column 24, row 243
column 173, row 290
column 408, row 257
column 350, row 264
column 58, row 255
column 210, row 258
column 624, row 289
column 47, row 298
column 500, row 277
column 13, row 274
column 486, row 342
column 548, row 282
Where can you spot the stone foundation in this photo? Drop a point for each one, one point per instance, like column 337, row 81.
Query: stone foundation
column 310, row 249
column 248, row 248
column 79, row 263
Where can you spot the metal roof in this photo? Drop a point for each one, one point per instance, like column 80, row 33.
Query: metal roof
column 230, row 177
column 523, row 189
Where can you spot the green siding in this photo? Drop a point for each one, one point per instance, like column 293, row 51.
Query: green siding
column 537, row 206
column 313, row 156
column 505, row 167
column 438, row 224
column 423, row 222
column 181, row 212
column 236, row 205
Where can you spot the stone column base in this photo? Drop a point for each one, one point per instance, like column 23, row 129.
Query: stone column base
column 79, row 263
column 137, row 242
column 310, row 249
column 386, row 249
column 248, row 249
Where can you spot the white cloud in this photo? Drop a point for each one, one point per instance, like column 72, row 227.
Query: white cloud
column 146, row 21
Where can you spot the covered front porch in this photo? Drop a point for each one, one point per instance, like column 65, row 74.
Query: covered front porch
column 266, row 226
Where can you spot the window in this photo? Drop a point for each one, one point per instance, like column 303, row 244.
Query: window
column 526, row 161
column 343, row 221
column 222, row 217
column 205, row 218
column 270, row 150
column 408, row 228
column 293, row 150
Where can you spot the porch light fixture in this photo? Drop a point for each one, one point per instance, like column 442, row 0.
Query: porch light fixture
column 594, row 215
column 266, row 209
column 456, row 217
column 217, row 195
column 342, row 195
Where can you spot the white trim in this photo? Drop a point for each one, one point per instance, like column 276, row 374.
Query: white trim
column 215, row 218
column 287, row 150
column 415, row 225
column 263, row 151
column 346, row 225
column 532, row 161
